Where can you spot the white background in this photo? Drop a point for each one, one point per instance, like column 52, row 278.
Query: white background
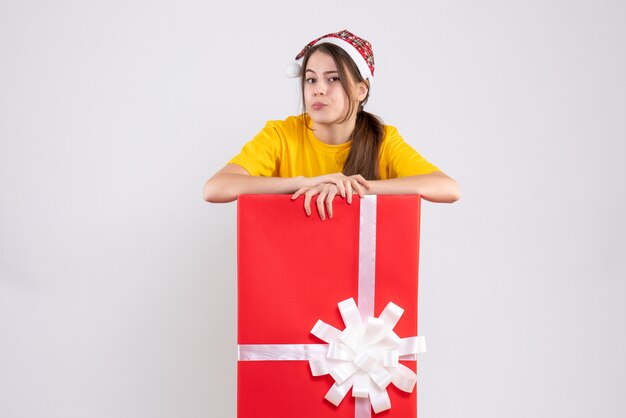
column 118, row 283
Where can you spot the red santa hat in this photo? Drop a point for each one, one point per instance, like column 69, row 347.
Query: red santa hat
column 358, row 48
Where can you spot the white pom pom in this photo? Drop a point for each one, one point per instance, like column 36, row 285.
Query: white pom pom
column 293, row 70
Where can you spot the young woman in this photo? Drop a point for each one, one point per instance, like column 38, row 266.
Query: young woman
column 334, row 148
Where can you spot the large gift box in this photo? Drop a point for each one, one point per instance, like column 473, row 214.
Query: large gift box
column 327, row 310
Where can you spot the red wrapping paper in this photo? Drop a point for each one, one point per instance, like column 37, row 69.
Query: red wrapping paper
column 292, row 271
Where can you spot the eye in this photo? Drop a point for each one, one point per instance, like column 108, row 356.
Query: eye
column 310, row 80
column 333, row 79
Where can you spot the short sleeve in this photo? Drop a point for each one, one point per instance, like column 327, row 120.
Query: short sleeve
column 261, row 155
column 399, row 159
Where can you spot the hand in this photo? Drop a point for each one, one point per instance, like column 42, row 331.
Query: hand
column 347, row 185
column 325, row 192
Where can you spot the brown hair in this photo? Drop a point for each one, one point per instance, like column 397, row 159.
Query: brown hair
column 369, row 129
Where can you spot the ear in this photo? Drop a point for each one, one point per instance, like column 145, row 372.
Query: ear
column 362, row 87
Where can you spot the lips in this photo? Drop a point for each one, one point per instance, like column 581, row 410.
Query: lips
column 318, row 106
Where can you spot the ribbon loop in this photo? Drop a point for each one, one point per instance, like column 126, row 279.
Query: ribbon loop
column 392, row 339
column 404, row 378
column 336, row 393
column 322, row 366
column 391, row 315
column 380, row 376
column 374, row 331
column 390, row 358
column 361, row 388
column 379, row 399
column 350, row 313
column 352, row 336
column 365, row 361
column 325, row 332
column 411, row 345
column 343, row 371
column 339, row 351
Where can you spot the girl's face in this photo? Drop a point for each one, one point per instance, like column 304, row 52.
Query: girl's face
column 325, row 100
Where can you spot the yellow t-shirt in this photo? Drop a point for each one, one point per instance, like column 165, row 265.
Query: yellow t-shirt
column 288, row 148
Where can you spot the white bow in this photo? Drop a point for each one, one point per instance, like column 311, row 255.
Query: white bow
column 365, row 356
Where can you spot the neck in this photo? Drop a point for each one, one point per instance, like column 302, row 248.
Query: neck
column 336, row 133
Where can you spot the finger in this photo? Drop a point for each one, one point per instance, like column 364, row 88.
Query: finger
column 349, row 192
column 329, row 202
column 361, row 180
column 299, row 192
column 342, row 188
column 307, row 202
column 337, row 182
column 358, row 188
column 320, row 203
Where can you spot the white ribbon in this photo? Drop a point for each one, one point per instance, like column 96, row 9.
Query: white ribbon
column 279, row 352
column 367, row 256
column 364, row 356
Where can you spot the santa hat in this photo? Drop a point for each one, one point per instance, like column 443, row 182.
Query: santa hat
column 359, row 50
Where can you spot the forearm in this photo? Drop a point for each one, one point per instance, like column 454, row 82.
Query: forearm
column 434, row 187
column 226, row 187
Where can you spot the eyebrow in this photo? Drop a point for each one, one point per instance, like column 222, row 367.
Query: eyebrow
column 325, row 72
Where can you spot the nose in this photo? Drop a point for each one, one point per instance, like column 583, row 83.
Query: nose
column 320, row 89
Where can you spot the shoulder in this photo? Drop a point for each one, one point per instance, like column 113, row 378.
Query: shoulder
column 278, row 134
column 393, row 144
column 391, row 136
column 289, row 124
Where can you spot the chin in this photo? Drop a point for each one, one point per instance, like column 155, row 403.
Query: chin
column 323, row 119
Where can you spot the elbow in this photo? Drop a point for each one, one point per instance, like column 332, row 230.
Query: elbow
column 446, row 192
column 454, row 192
column 208, row 193
column 211, row 193
column 221, row 188
column 443, row 189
